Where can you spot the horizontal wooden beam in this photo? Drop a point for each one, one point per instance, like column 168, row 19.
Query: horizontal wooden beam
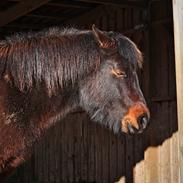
column 23, row 26
column 119, row 3
column 142, row 26
column 70, row 5
column 163, row 99
column 60, row 18
column 19, row 10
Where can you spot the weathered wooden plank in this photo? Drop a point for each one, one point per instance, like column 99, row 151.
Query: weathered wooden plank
column 129, row 159
column 174, row 146
column 118, row 20
column 91, row 147
column 164, row 150
column 152, row 169
column 139, row 167
column 178, row 37
column 64, row 151
column 121, row 159
column 84, row 155
column 98, row 155
column 56, row 152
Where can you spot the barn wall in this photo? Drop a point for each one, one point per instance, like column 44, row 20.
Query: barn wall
column 78, row 150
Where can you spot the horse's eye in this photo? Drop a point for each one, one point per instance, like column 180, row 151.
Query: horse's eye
column 119, row 73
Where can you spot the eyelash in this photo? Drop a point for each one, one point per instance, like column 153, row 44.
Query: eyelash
column 118, row 73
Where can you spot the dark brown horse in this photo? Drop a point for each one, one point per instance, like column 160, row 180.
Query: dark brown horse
column 48, row 74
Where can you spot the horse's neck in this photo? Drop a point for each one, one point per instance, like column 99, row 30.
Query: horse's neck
column 23, row 120
column 56, row 109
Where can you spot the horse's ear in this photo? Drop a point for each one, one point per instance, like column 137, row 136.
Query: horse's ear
column 103, row 39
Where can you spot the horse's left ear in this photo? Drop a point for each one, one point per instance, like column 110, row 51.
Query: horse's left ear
column 103, row 39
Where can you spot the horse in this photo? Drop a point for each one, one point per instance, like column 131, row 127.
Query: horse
column 47, row 74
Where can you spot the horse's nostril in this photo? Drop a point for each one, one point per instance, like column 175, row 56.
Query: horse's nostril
column 142, row 121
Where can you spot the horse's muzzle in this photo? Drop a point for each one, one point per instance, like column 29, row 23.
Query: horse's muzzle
column 136, row 119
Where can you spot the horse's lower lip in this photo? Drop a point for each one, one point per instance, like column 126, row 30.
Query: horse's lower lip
column 140, row 131
column 136, row 132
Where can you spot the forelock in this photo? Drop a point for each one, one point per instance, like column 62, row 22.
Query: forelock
column 130, row 51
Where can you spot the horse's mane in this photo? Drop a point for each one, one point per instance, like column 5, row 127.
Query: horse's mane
column 54, row 57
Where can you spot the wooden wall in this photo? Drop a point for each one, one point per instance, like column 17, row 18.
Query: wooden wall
column 178, row 39
column 77, row 150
